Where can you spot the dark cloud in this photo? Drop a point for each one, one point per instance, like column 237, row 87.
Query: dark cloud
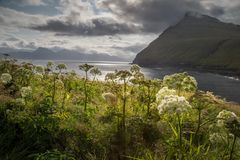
column 217, row 10
column 156, row 15
column 26, row 45
column 96, row 27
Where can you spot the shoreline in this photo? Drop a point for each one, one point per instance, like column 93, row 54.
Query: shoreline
column 233, row 73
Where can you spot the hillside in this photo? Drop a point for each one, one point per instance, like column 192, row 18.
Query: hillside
column 196, row 41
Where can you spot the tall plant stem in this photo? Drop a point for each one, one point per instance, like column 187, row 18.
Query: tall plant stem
column 85, row 92
column 124, row 106
column 199, row 124
column 124, row 117
column 54, row 89
column 232, row 149
column 180, row 131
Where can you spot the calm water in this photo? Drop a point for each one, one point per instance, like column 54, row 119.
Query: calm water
column 220, row 85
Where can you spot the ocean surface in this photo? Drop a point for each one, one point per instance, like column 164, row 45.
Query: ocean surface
column 227, row 87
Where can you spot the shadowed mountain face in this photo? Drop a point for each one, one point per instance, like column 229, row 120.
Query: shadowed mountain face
column 197, row 40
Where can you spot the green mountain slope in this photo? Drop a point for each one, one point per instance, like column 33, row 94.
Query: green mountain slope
column 197, row 40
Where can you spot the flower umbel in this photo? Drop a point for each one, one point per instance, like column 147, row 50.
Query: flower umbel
column 26, row 91
column 6, row 78
column 39, row 69
column 110, row 98
column 20, row 101
column 165, row 91
column 174, row 104
column 225, row 116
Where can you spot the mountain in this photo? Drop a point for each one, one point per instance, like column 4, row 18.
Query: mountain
column 47, row 54
column 196, row 41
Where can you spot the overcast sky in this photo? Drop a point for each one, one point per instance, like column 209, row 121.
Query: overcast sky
column 116, row 27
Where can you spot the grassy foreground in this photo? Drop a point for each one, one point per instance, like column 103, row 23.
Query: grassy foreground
column 47, row 113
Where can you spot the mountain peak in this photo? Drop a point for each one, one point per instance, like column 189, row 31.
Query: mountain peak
column 194, row 15
column 197, row 40
column 43, row 50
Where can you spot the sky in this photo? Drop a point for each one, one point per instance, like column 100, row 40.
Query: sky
column 114, row 27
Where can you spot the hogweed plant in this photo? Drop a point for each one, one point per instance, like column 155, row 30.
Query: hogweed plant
column 229, row 120
column 181, row 82
column 6, row 78
column 86, row 68
column 111, row 99
column 173, row 105
column 95, row 72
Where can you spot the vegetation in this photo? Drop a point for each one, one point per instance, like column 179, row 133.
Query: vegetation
column 47, row 113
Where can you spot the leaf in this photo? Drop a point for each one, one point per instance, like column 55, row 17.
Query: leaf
column 173, row 129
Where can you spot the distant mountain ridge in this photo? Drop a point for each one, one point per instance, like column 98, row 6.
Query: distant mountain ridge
column 196, row 41
column 47, row 54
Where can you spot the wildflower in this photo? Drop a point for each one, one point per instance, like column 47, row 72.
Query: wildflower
column 110, row 98
column 164, row 92
column 39, row 69
column 135, row 68
column 61, row 66
column 189, row 83
column 38, row 76
column 20, row 101
column 26, row 91
column 59, row 83
column 110, row 76
column 181, row 82
column 217, row 138
column 6, row 78
column 225, row 116
column 173, row 104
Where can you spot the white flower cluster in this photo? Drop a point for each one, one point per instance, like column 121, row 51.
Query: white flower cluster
column 189, row 83
column 217, row 138
column 110, row 98
column 6, row 78
column 174, row 104
column 181, row 82
column 164, row 92
column 26, row 91
column 39, row 69
column 225, row 116
column 38, row 76
column 20, row 101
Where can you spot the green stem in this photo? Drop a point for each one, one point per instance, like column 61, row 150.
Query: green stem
column 232, row 149
column 54, row 89
column 124, row 117
column 199, row 124
column 149, row 101
column 180, row 131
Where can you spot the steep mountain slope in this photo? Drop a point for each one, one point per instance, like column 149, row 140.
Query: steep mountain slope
column 197, row 40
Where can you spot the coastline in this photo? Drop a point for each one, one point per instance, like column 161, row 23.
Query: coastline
column 234, row 73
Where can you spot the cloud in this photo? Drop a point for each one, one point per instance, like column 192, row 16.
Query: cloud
column 94, row 27
column 13, row 18
column 28, row 2
column 79, row 18
column 111, row 17
column 156, row 15
column 26, row 45
column 134, row 48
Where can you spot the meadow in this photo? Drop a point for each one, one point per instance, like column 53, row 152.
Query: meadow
column 49, row 113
